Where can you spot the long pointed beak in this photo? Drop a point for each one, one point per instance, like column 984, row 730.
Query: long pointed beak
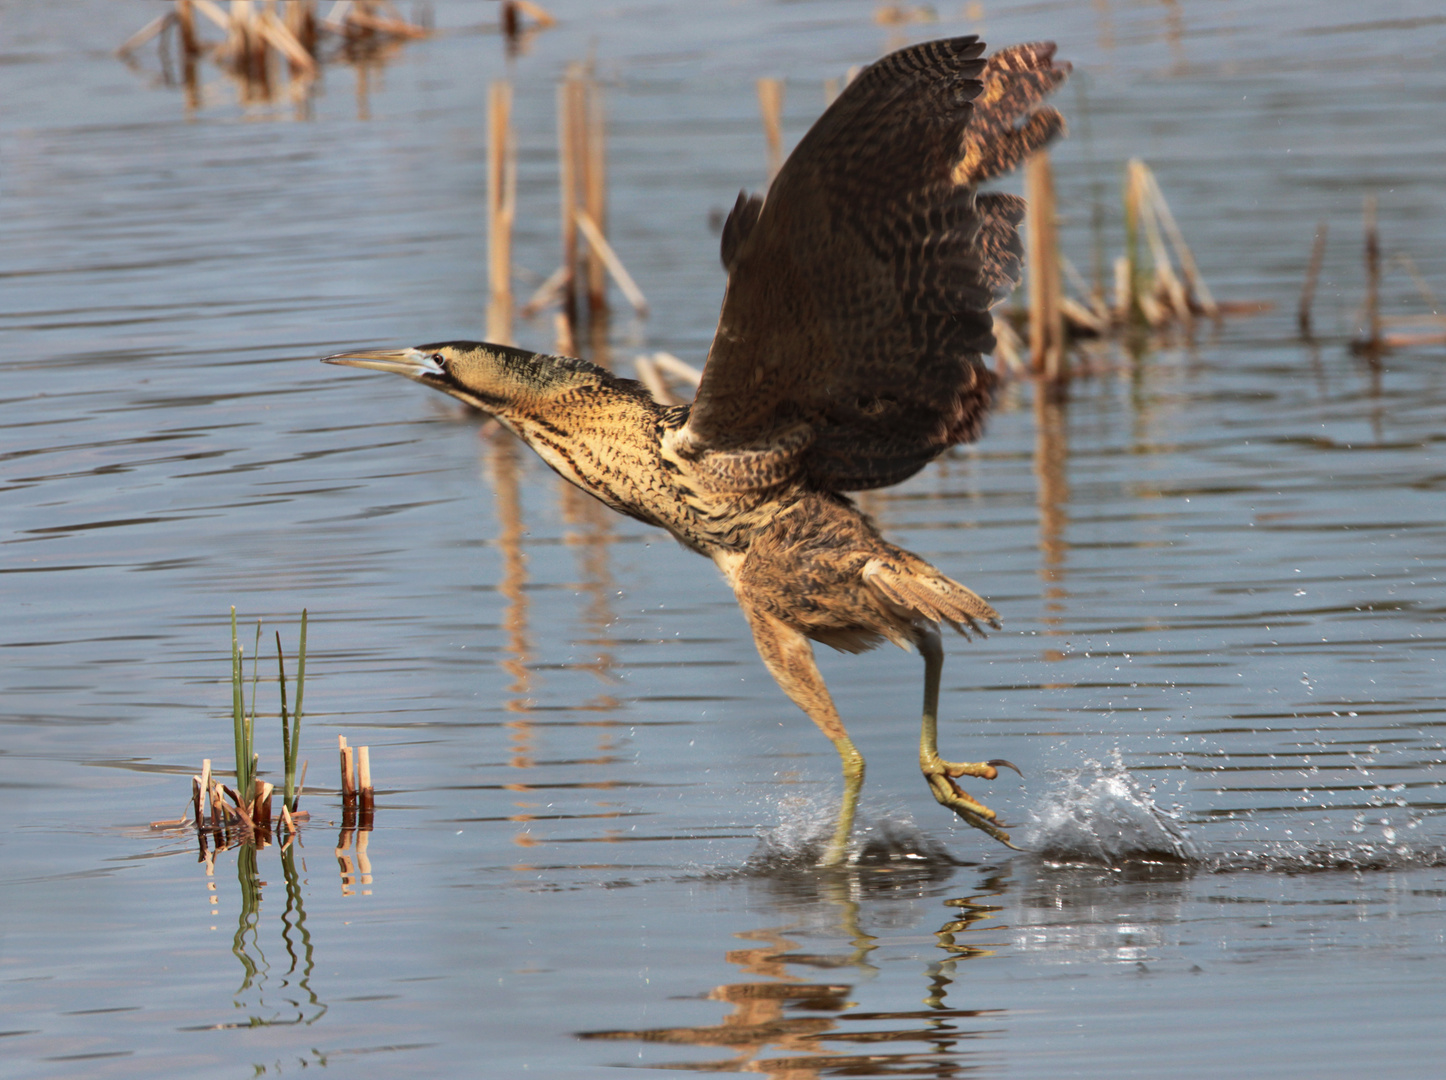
column 409, row 362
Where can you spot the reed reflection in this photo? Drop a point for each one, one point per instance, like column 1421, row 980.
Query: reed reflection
column 1051, row 455
column 356, row 872
column 784, row 1024
column 589, row 532
column 267, row 997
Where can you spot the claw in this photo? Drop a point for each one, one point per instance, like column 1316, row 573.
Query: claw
column 1000, row 762
column 983, row 824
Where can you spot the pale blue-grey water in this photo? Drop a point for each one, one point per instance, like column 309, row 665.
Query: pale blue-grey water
column 1220, row 570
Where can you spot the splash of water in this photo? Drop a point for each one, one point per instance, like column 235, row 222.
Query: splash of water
column 881, row 839
column 1098, row 815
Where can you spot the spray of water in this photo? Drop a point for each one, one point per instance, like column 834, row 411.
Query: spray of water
column 881, row 838
column 1099, row 815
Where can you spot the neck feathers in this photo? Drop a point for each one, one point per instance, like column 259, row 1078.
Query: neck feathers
column 501, row 379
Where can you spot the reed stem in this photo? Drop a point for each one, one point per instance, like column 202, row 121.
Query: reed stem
column 568, row 164
column 770, row 104
column 285, row 722
column 1046, row 318
column 501, row 210
column 293, row 791
column 595, row 197
column 238, row 709
column 1373, row 276
column 1312, row 276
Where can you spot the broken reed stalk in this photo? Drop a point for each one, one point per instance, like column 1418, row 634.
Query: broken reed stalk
column 348, row 773
column 515, row 31
column 364, row 777
column 770, row 104
column 1046, row 317
column 1128, row 274
column 196, row 797
column 501, row 210
column 1168, row 297
column 1141, row 301
column 1007, row 348
column 582, row 164
column 546, row 293
column 683, row 372
column 257, row 38
column 569, row 155
column 601, row 260
column 261, row 805
column 1199, row 293
column 1373, row 277
column 582, row 204
column 1312, row 276
column 607, row 258
column 301, row 23
column 653, row 381
column 1167, row 283
column 653, row 373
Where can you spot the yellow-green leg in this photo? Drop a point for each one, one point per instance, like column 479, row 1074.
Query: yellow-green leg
column 940, row 773
column 789, row 658
column 853, row 777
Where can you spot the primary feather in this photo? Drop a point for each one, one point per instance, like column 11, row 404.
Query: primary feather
column 857, row 305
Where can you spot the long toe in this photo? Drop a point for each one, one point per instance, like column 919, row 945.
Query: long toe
column 947, row 793
column 983, row 824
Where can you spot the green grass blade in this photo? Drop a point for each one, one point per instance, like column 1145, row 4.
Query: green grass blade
column 296, row 716
column 289, row 787
column 238, row 721
column 301, row 669
column 255, row 660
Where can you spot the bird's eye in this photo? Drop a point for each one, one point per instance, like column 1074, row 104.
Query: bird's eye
column 439, row 360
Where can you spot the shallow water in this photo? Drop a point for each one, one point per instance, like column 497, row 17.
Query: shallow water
column 1221, row 573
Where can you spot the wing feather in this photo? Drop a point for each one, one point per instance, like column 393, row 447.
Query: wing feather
column 859, row 290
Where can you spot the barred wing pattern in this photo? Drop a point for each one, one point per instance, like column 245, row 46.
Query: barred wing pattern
column 857, row 307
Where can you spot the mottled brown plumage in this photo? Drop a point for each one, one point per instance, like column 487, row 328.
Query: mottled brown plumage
column 848, row 355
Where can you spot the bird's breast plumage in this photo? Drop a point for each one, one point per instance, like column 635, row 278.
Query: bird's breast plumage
column 619, row 447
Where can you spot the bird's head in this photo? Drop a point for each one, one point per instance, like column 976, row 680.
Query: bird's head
column 490, row 377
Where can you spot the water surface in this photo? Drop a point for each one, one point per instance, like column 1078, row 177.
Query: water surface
column 1220, row 569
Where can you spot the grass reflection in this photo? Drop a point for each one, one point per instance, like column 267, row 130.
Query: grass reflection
column 269, row 999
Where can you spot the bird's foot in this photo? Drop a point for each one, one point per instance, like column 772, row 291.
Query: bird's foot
column 940, row 774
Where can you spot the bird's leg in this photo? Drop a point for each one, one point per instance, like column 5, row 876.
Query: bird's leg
column 940, row 773
column 789, row 658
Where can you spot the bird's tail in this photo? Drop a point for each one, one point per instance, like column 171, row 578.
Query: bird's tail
column 916, row 588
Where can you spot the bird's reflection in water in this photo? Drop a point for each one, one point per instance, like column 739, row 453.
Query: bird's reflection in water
column 589, row 532
column 789, row 1022
column 504, row 465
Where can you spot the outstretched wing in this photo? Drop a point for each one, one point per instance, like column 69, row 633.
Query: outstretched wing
column 858, row 297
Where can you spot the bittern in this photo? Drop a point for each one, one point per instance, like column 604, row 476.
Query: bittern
column 848, row 355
